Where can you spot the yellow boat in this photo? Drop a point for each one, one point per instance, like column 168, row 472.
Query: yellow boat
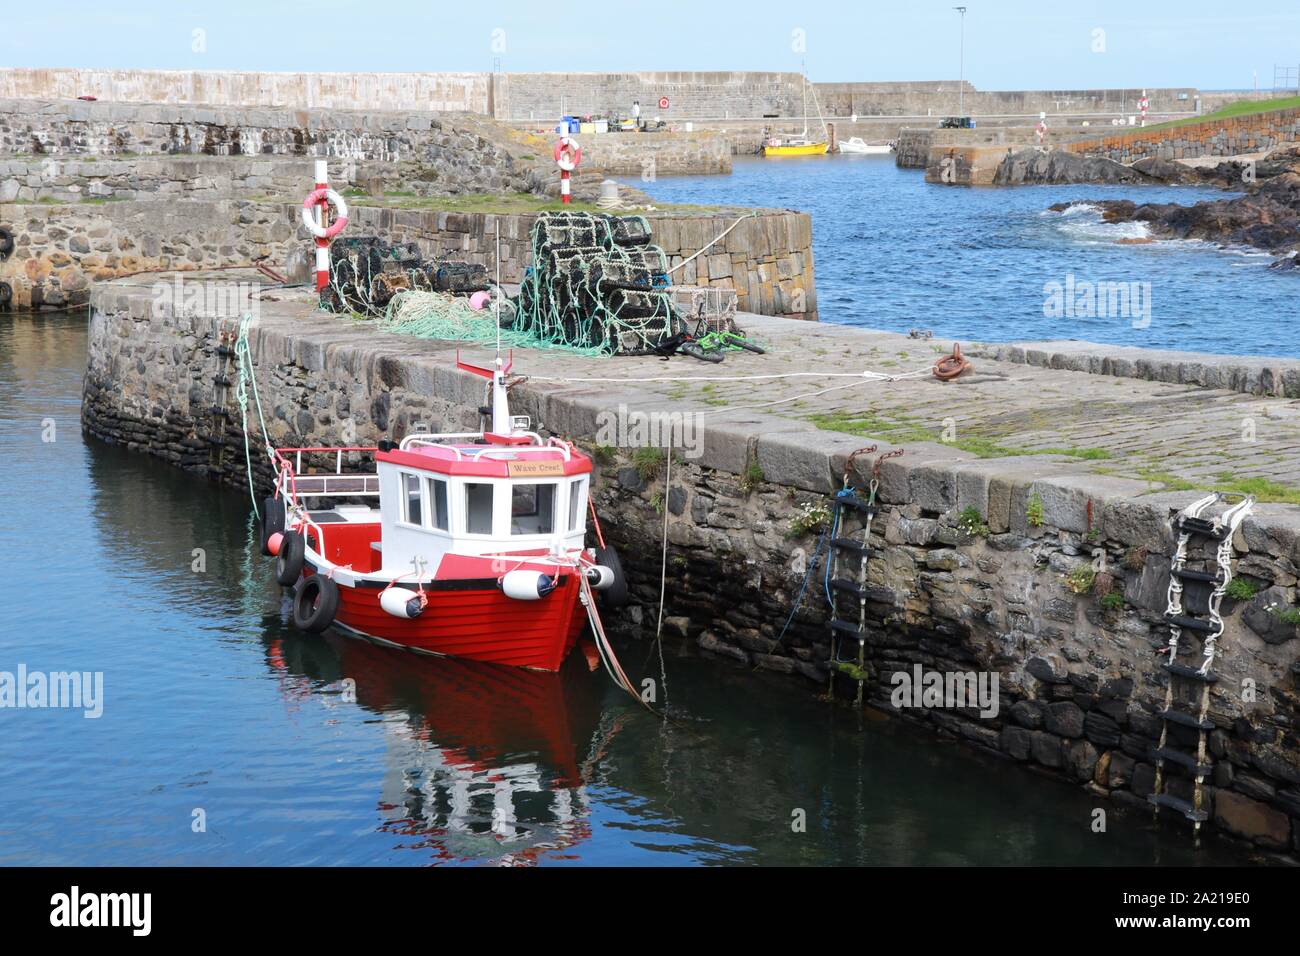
column 794, row 147
column 800, row 145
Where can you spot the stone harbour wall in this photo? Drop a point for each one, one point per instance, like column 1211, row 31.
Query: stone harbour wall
column 1079, row 685
column 657, row 154
column 60, row 250
column 74, row 178
column 1224, row 137
column 767, row 258
column 389, row 91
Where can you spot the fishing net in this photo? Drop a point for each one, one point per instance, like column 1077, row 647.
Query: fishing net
column 442, row 315
column 596, row 283
column 366, row 273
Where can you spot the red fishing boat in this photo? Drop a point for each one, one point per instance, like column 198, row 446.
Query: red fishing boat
column 467, row 544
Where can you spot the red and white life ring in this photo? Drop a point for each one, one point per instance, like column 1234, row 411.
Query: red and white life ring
column 568, row 154
column 340, row 213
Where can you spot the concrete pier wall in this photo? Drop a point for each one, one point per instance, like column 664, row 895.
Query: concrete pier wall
column 1079, row 685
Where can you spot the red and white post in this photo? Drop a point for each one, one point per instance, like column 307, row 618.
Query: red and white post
column 322, row 220
column 567, row 156
column 1041, row 128
column 1143, row 105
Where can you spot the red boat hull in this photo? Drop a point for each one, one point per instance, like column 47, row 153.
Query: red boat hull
column 474, row 620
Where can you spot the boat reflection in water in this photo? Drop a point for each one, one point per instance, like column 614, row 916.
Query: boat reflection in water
column 483, row 763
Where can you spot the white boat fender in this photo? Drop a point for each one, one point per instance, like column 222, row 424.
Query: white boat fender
column 401, row 602
column 600, row 576
column 527, row 585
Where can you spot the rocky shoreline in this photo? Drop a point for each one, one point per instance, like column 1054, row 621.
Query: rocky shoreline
column 1266, row 216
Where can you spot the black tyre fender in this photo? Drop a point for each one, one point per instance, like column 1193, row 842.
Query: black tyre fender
column 289, row 562
column 315, row 603
column 272, row 520
column 6, row 243
column 616, row 594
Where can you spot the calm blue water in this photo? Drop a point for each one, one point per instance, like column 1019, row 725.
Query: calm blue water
column 893, row 252
column 325, row 750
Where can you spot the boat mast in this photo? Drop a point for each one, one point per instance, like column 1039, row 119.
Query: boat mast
column 501, row 421
column 804, row 88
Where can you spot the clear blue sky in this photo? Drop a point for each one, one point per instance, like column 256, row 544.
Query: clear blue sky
column 1010, row 44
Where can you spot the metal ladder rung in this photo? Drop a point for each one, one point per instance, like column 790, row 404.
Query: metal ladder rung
column 857, row 504
column 1186, row 720
column 848, row 544
column 1203, row 527
column 1182, row 759
column 1206, row 576
column 1182, row 806
column 847, row 627
column 1189, row 623
column 1189, row 673
column 848, row 587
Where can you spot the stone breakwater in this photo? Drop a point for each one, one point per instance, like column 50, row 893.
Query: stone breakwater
column 60, row 249
column 458, row 152
column 1078, row 679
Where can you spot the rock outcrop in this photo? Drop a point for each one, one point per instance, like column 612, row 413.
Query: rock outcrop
column 1267, row 217
column 1057, row 167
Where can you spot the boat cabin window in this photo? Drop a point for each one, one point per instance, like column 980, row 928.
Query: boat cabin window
column 478, row 508
column 532, row 508
column 438, row 504
column 575, row 505
column 412, row 505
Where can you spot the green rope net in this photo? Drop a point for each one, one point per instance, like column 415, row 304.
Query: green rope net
column 596, row 283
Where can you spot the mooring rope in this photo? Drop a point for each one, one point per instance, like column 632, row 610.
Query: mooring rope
column 713, row 241
column 244, row 355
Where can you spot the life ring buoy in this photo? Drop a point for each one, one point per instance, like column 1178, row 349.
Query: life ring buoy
column 290, row 558
column 6, row 243
column 340, row 213
column 568, row 154
column 950, row 366
column 315, row 603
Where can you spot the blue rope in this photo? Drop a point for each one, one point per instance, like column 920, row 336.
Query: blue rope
column 812, row 566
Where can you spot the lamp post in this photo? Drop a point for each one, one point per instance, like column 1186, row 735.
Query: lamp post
column 961, row 78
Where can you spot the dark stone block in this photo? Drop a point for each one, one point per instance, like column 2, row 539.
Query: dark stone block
column 1100, row 729
column 631, row 479
column 1119, row 773
column 1042, row 670
column 1253, row 786
column 1048, row 749
column 1016, row 742
column 1081, row 759
column 1064, row 718
column 1027, row 713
